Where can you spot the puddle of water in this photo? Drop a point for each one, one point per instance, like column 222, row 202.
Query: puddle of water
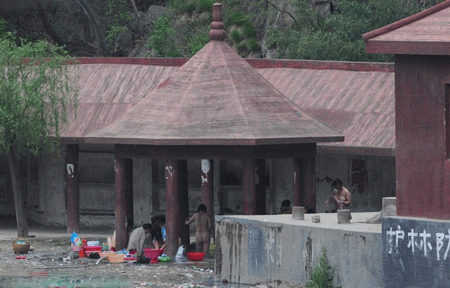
column 218, row 283
column 66, row 281
column 81, row 281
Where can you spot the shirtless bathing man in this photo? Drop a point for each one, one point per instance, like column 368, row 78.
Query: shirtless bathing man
column 203, row 229
column 341, row 197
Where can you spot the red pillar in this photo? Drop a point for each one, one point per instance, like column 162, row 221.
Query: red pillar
column 121, row 203
column 73, row 191
column 172, row 206
column 254, row 188
column 304, row 182
column 184, row 202
column 129, row 191
column 208, row 190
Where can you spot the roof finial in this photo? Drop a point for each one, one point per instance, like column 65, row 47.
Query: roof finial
column 217, row 33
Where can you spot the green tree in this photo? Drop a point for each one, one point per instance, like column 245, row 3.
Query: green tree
column 3, row 29
column 36, row 91
column 119, row 17
column 339, row 37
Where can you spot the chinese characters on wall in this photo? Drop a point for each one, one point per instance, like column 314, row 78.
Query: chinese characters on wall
column 436, row 244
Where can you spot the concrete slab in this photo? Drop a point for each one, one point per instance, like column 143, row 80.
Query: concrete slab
column 281, row 252
column 327, row 220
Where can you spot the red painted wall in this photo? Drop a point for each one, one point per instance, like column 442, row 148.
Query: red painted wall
column 422, row 167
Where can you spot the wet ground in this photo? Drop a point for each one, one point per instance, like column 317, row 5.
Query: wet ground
column 49, row 265
column 52, row 265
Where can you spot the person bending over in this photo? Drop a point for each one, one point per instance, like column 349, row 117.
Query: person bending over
column 140, row 238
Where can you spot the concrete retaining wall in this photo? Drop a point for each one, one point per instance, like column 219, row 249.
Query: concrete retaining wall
column 281, row 252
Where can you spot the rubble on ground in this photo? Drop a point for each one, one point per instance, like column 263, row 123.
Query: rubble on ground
column 52, row 263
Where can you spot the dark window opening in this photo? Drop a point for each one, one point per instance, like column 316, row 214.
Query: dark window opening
column 360, row 177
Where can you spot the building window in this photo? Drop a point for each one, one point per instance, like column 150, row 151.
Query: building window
column 96, row 168
column 360, row 176
column 231, row 172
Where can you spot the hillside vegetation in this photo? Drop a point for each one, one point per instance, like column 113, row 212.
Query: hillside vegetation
column 288, row 29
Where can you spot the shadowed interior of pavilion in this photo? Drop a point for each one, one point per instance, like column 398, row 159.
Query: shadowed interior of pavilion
column 216, row 106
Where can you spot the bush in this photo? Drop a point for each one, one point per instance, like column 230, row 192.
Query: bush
column 2, row 28
column 248, row 30
column 183, row 6
column 241, row 47
column 236, row 36
column 323, row 274
column 197, row 40
column 205, row 5
column 237, row 17
column 251, row 44
column 242, row 32
column 162, row 41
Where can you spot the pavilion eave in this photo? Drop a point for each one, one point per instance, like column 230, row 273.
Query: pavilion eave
column 178, row 152
column 408, row 47
column 212, row 141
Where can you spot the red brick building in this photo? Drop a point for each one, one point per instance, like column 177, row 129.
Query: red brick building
column 421, row 45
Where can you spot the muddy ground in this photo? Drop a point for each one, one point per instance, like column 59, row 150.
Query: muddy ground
column 48, row 266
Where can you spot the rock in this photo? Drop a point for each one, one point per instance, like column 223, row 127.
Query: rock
column 388, row 209
column 155, row 11
column 315, row 218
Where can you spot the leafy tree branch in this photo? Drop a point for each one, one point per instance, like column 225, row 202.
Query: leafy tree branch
column 36, row 91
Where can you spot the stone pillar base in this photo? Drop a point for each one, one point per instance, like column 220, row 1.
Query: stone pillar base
column 344, row 216
column 298, row 213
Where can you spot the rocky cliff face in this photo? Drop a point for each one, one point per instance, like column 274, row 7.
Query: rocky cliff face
column 83, row 25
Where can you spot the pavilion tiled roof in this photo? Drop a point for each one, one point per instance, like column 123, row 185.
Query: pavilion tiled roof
column 356, row 99
column 107, row 91
column 425, row 33
column 359, row 104
column 216, row 98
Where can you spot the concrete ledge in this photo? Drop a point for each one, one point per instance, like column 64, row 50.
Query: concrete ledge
column 327, row 221
column 281, row 252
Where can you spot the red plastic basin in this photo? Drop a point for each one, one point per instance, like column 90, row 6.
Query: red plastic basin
column 195, row 256
column 152, row 253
